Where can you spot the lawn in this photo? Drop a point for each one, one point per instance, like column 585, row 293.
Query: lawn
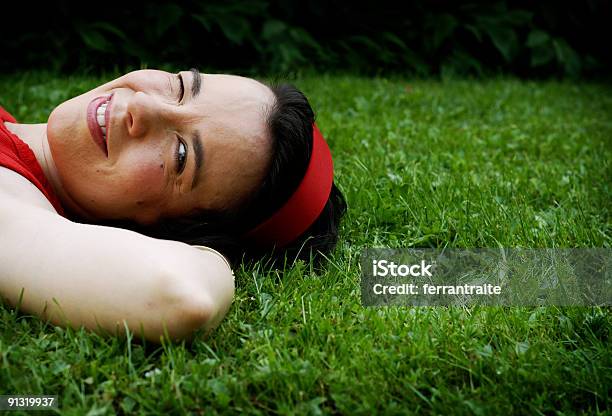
column 422, row 163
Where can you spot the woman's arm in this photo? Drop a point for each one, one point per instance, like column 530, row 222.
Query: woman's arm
column 91, row 275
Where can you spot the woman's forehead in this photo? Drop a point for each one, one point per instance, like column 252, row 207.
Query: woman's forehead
column 236, row 85
column 236, row 142
column 231, row 107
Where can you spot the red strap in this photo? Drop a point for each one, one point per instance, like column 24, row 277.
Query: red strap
column 16, row 155
column 307, row 202
column 5, row 116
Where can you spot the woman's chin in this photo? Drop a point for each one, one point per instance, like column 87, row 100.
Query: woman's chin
column 58, row 125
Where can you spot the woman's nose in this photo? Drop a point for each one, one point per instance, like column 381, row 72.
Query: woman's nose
column 144, row 113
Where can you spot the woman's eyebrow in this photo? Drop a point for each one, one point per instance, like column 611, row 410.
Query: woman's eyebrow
column 196, row 82
column 198, row 152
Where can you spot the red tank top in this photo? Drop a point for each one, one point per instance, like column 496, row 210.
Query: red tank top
column 16, row 155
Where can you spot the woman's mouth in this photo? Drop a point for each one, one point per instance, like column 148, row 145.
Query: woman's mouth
column 98, row 116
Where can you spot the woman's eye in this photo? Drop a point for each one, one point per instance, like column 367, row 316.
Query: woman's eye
column 181, row 89
column 180, row 156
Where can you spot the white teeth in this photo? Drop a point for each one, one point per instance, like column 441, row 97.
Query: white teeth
column 101, row 118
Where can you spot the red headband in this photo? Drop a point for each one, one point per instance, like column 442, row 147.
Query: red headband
column 307, row 202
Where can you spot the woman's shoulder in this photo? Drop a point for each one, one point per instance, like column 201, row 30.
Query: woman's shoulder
column 18, row 162
column 16, row 189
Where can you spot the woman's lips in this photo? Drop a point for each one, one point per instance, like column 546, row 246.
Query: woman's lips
column 92, row 122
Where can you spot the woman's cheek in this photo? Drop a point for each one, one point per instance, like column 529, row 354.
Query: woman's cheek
column 147, row 179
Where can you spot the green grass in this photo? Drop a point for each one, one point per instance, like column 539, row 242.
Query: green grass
column 422, row 164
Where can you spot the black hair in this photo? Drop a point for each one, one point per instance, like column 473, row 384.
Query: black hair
column 289, row 122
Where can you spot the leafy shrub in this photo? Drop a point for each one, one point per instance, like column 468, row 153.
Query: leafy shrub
column 526, row 38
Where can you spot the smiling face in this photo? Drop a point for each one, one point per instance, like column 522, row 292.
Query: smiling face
column 175, row 144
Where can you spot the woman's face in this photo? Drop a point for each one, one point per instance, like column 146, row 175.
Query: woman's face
column 175, row 144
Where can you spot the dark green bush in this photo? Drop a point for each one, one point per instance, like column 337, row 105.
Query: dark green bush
column 424, row 37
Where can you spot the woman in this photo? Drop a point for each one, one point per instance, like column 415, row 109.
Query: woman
column 197, row 161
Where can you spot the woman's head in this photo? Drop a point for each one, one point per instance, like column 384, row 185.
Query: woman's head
column 256, row 143
column 153, row 117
